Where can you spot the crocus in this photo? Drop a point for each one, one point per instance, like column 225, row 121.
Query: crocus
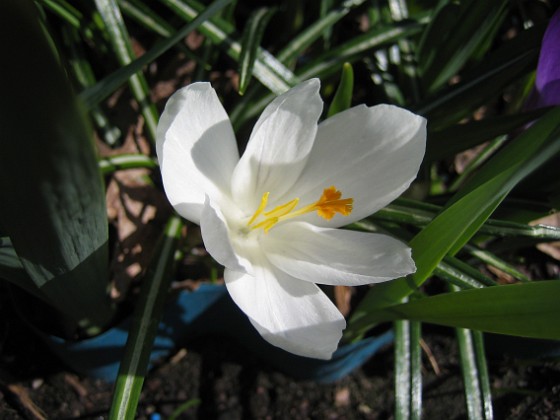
column 547, row 82
column 272, row 216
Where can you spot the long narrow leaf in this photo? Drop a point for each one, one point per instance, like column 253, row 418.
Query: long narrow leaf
column 524, row 309
column 460, row 137
column 475, row 21
column 148, row 312
column 485, row 81
column 407, row 214
column 475, row 373
column 408, row 371
column 316, row 30
column 252, row 37
column 343, row 96
column 483, row 375
column 329, row 62
column 469, row 370
column 268, row 70
column 120, row 40
column 94, row 95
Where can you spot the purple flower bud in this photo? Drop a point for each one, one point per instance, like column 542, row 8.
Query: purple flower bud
column 547, row 84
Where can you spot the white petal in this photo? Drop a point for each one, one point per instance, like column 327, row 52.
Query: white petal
column 217, row 239
column 370, row 154
column 196, row 149
column 337, row 256
column 279, row 146
column 291, row 314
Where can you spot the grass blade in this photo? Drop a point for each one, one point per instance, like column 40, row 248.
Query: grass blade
column 120, row 40
column 524, row 309
column 328, row 63
column 119, row 162
column 148, row 312
column 343, row 96
column 475, row 373
column 84, row 75
column 404, row 211
column 408, row 371
column 105, row 87
column 268, row 70
column 250, row 43
column 315, row 31
column 459, row 137
column 483, row 376
column 470, row 373
column 447, row 52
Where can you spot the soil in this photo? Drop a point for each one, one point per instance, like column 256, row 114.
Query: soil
column 221, row 380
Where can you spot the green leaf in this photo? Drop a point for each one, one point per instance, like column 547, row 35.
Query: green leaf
column 84, row 75
column 12, row 270
column 315, row 31
column 343, row 97
column 53, row 200
column 147, row 315
column 94, row 95
column 475, row 374
column 523, row 309
column 485, row 81
column 120, row 162
column 408, row 371
column 66, row 11
column 268, row 70
column 142, row 14
column 408, row 212
column 460, row 137
column 446, row 51
column 326, row 64
column 250, row 43
column 122, row 47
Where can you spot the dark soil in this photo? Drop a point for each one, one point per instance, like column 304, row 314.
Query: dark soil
column 224, row 381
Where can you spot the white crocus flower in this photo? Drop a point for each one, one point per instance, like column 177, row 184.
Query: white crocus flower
column 272, row 216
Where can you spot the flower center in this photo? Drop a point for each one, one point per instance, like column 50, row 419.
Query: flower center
column 327, row 206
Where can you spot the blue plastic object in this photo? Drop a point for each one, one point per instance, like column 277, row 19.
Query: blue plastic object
column 210, row 311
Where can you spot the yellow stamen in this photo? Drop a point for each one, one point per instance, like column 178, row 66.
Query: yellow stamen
column 326, row 207
column 282, row 210
column 261, row 208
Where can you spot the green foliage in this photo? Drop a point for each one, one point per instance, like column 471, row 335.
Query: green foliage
column 517, row 309
column 149, row 310
column 343, row 96
column 53, row 204
column 252, row 38
column 408, row 371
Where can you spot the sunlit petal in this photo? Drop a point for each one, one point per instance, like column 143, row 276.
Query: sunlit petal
column 370, row 154
column 217, row 239
column 337, row 256
column 279, row 145
column 196, row 149
column 291, row 314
